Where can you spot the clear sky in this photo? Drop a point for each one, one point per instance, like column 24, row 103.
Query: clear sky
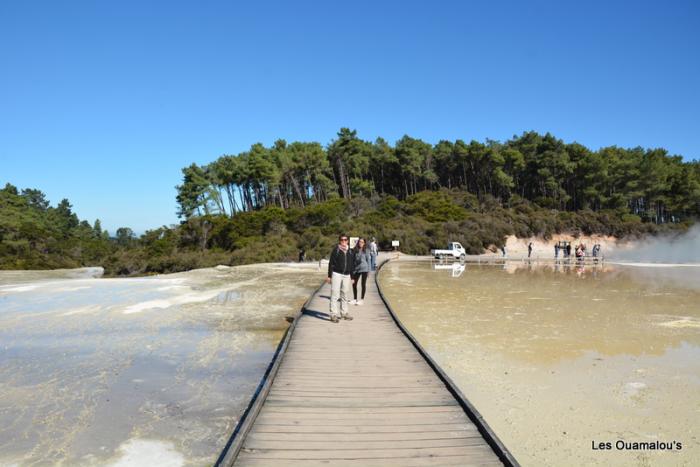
column 104, row 102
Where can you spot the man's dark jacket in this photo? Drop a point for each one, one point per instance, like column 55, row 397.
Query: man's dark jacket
column 342, row 263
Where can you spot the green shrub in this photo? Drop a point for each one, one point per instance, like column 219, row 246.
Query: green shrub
column 631, row 219
column 434, row 206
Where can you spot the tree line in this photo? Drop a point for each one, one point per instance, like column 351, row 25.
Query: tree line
column 36, row 235
column 648, row 183
column 266, row 203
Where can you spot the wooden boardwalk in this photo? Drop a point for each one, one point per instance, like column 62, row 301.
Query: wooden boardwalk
column 358, row 393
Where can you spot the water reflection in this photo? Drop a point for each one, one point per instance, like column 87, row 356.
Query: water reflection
column 227, row 297
column 456, row 269
column 558, row 355
column 93, row 370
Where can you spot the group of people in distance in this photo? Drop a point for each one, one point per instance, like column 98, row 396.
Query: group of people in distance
column 580, row 250
column 348, row 266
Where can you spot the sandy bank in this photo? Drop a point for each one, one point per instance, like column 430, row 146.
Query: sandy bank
column 542, row 248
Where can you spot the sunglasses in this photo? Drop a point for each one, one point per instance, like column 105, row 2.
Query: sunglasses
column 343, row 239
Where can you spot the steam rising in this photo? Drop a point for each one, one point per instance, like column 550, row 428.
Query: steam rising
column 684, row 248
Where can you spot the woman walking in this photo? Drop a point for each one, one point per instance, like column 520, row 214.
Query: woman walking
column 362, row 267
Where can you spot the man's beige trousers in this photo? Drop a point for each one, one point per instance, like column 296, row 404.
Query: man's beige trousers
column 340, row 289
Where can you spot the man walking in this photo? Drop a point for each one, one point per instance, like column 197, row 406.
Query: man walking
column 373, row 252
column 340, row 267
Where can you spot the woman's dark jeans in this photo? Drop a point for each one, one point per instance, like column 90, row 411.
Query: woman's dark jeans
column 355, row 277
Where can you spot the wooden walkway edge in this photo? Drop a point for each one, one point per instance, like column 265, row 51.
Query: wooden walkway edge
column 358, row 393
column 488, row 434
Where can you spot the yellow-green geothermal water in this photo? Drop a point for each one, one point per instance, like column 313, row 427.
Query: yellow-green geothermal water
column 561, row 359
column 146, row 371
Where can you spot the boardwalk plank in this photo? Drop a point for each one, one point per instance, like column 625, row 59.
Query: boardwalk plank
column 363, row 410
column 325, row 445
column 403, row 436
column 361, row 417
column 323, row 428
column 359, row 402
column 474, row 451
column 443, row 461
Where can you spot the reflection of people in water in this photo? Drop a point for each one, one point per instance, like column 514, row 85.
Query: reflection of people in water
column 581, row 252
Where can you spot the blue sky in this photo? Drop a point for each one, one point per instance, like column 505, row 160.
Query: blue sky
column 104, row 102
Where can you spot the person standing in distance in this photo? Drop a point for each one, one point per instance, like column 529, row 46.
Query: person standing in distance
column 340, row 267
column 373, row 252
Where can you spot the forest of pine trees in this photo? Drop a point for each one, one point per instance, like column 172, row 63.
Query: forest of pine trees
column 648, row 183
